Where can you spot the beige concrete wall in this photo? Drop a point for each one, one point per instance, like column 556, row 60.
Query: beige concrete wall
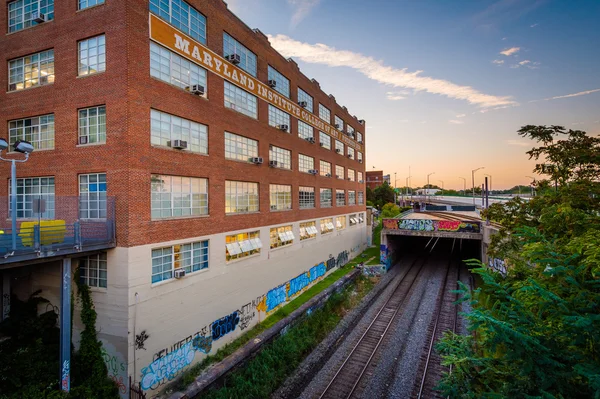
column 177, row 315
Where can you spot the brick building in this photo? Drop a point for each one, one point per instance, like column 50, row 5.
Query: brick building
column 196, row 177
column 374, row 179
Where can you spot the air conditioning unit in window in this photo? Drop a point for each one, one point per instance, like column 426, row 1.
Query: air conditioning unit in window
column 39, row 17
column 360, row 161
column 233, row 58
column 337, row 125
column 361, row 121
column 322, row 144
column 197, row 90
column 313, row 172
column 360, row 141
column 256, row 160
column 43, row 80
column 12, row 87
column 83, row 139
column 338, row 176
column 352, row 135
column 303, row 104
column 338, row 150
column 179, row 273
column 310, row 140
column 349, row 156
column 273, row 164
column 361, row 181
column 178, row 144
column 272, row 83
column 282, row 127
column 327, row 174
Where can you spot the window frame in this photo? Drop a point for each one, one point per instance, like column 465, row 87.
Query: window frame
column 84, row 269
column 200, row 23
column 204, row 250
column 339, row 146
column 324, row 111
column 327, row 226
column 28, row 130
column 360, row 198
column 305, row 131
column 100, row 47
column 84, row 196
column 26, row 24
column 311, row 232
column 328, row 203
column 351, row 197
column 201, row 198
column 100, row 135
column 252, row 206
column 37, row 63
column 339, row 201
column 305, row 194
column 185, row 128
column 324, row 144
column 281, row 236
column 46, row 191
column 303, row 161
column 340, row 172
column 280, row 197
column 244, row 52
column 278, row 117
column 184, row 66
column 339, row 121
column 304, row 96
column 281, row 80
column 324, row 168
column 237, row 146
column 247, row 104
column 340, row 222
column 279, row 154
column 96, row 3
column 252, row 245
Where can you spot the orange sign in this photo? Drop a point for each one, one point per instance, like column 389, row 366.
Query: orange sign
column 178, row 42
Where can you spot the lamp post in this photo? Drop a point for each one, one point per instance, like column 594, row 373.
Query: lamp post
column 473, row 181
column 407, row 179
column 24, row 147
column 427, row 189
column 531, row 185
column 490, row 176
column 442, row 186
column 464, row 185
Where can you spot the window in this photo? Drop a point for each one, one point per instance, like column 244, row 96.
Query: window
column 240, row 100
column 304, row 96
column 31, row 71
column 92, row 125
column 189, row 257
column 30, row 191
column 279, row 119
column 340, row 198
column 83, row 4
column 242, row 245
column 92, row 270
column 282, row 156
column 164, row 128
column 324, row 113
column 350, row 152
column 350, row 174
column 241, row 197
column 281, row 197
column 282, row 84
column 39, row 131
column 350, row 130
column 247, row 57
column 305, row 163
column 305, row 131
column 351, row 197
column 359, row 137
column 21, row 13
column 171, row 68
column 361, row 218
column 92, row 196
column 177, row 196
column 325, row 140
column 325, row 168
column 353, row 220
column 327, row 226
column 308, row 230
column 339, row 123
column 340, row 222
column 339, row 172
column 92, row 55
column 339, row 147
column 240, row 148
column 182, row 16
column 326, row 201
column 281, row 236
column 361, row 198
column 359, row 156
column 307, row 197
column 360, row 176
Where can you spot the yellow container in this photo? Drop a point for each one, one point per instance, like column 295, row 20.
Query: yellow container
column 51, row 232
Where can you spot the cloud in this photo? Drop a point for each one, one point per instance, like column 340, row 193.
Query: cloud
column 301, row 10
column 505, row 11
column 504, row 38
column 510, row 51
column 533, row 26
column 376, row 70
column 461, row 115
column 581, row 93
column 456, row 122
column 498, row 62
column 518, row 143
column 397, row 95
column 524, row 62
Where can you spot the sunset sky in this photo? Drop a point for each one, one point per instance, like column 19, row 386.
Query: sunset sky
column 445, row 85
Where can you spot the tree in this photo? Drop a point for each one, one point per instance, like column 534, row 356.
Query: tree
column 383, row 194
column 538, row 328
column 390, row 210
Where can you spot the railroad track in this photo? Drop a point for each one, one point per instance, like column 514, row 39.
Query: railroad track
column 446, row 316
column 345, row 382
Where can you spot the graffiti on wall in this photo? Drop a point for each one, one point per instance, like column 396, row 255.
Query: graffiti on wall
column 140, row 340
column 497, row 265
column 65, row 380
column 169, row 362
column 116, row 366
column 454, row 226
column 384, row 256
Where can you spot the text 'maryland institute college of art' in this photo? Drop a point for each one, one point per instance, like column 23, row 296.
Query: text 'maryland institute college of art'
column 197, row 178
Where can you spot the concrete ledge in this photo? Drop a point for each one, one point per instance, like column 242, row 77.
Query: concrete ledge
column 442, row 234
column 217, row 371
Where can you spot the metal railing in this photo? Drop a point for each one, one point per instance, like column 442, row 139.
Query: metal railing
column 49, row 225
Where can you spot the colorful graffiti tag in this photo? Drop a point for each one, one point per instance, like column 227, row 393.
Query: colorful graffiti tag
column 455, row 226
column 384, row 256
column 497, row 265
column 169, row 362
column 65, row 380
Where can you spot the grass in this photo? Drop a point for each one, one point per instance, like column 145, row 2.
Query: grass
column 279, row 359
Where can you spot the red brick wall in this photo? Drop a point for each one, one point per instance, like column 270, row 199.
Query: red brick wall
column 129, row 93
column 374, row 179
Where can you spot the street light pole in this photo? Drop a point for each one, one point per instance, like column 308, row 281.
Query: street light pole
column 464, row 185
column 473, row 181
column 442, row 187
column 427, row 189
column 490, row 176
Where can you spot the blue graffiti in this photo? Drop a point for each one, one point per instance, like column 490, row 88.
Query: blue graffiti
column 317, row 271
column 302, row 281
column 275, row 297
column 167, row 367
column 224, row 325
column 203, row 343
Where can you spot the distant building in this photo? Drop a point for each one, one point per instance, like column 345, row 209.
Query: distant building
column 375, row 179
column 427, row 191
column 388, row 179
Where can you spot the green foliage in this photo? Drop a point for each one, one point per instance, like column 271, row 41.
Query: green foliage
column 382, row 195
column 537, row 330
column 390, row 210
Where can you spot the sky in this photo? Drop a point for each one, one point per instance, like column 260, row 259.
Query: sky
column 445, row 85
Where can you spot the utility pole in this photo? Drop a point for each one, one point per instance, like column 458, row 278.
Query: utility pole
column 490, row 176
column 473, row 181
column 442, row 187
column 427, row 189
column 464, row 185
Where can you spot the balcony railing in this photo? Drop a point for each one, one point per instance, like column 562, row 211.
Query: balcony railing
column 49, row 225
